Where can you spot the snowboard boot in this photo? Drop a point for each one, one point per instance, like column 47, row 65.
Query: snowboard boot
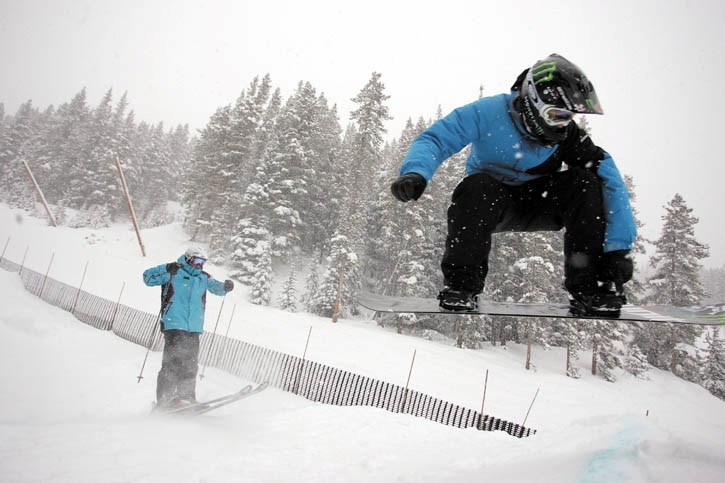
column 457, row 300
column 604, row 302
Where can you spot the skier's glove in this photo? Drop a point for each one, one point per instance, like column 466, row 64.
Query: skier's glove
column 408, row 187
column 172, row 268
column 617, row 267
column 228, row 285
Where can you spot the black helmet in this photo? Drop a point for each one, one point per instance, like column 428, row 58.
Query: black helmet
column 552, row 91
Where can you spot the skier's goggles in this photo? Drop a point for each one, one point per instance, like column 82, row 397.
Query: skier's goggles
column 552, row 115
column 197, row 262
column 556, row 116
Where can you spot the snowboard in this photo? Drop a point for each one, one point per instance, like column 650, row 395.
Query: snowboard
column 698, row 315
column 212, row 404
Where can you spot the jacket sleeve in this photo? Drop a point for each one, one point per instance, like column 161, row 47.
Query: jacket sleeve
column 156, row 276
column 580, row 151
column 443, row 139
column 215, row 286
column 621, row 230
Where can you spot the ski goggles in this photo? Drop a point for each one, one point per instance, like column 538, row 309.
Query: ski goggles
column 552, row 115
column 197, row 262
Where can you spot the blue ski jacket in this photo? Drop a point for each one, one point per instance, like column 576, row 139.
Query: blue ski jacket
column 183, row 295
column 501, row 148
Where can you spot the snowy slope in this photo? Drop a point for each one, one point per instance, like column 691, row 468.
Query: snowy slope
column 71, row 408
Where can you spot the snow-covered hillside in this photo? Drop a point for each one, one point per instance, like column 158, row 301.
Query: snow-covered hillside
column 71, row 409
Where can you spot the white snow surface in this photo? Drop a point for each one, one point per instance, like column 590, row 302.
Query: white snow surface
column 71, row 409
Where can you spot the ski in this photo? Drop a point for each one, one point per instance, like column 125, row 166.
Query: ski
column 212, row 406
column 206, row 406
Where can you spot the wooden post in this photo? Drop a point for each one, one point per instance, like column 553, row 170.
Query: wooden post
column 130, row 207
column 78, row 293
column 42, row 286
column 40, row 194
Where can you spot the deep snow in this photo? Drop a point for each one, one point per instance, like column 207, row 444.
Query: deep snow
column 71, row 409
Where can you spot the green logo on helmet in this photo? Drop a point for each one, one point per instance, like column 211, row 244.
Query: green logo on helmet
column 543, row 72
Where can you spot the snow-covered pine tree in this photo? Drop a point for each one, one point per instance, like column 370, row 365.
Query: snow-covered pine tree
column 288, row 297
column 635, row 362
column 713, row 363
column 252, row 244
column 677, row 258
column 206, row 171
column 336, row 293
column 19, row 131
column 311, row 285
column 261, row 290
column 675, row 282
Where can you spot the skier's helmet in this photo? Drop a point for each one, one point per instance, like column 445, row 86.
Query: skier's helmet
column 196, row 256
column 553, row 90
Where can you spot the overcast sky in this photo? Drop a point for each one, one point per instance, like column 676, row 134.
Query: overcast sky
column 657, row 66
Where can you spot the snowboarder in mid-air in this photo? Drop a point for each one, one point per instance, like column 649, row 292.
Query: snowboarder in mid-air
column 183, row 299
column 515, row 181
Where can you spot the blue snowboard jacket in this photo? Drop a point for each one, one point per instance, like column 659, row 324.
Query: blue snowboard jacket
column 501, row 149
column 183, row 295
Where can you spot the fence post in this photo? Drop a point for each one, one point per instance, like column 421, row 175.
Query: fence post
column 483, row 401
column 530, row 406
column 6, row 247
column 22, row 264
column 78, row 293
column 115, row 309
column 230, row 321
column 42, row 286
column 302, row 363
column 407, row 382
column 213, row 337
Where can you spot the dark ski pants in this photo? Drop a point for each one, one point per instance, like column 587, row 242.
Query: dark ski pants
column 481, row 206
column 179, row 366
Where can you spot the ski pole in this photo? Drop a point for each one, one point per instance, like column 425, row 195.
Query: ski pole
column 213, row 336
column 150, row 344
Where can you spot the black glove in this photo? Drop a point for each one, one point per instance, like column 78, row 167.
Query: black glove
column 228, row 285
column 172, row 268
column 617, row 267
column 408, row 187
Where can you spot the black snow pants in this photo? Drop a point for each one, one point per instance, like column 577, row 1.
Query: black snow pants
column 481, row 206
column 179, row 366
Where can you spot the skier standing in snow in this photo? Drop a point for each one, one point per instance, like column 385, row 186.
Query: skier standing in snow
column 183, row 300
column 515, row 182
